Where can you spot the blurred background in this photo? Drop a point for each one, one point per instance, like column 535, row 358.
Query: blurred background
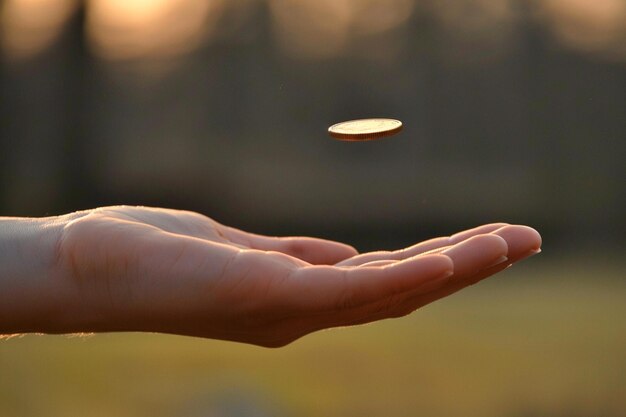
column 514, row 110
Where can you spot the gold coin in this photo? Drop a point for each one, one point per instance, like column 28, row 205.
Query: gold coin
column 365, row 129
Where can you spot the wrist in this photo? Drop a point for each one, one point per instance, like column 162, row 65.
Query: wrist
column 36, row 295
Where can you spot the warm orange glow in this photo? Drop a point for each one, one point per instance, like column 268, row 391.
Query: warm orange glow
column 130, row 29
column 598, row 25
column 375, row 16
column 324, row 28
column 476, row 30
column 311, row 29
column 29, row 26
column 473, row 15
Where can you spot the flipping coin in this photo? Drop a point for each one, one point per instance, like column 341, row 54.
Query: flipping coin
column 365, row 129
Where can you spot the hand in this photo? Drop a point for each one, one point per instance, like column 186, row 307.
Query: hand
column 149, row 269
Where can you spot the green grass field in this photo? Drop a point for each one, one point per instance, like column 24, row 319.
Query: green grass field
column 541, row 340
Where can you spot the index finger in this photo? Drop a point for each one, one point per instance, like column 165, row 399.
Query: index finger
column 419, row 248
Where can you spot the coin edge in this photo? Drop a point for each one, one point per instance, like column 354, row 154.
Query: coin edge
column 356, row 137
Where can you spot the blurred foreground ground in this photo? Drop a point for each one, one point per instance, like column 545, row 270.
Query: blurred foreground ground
column 545, row 339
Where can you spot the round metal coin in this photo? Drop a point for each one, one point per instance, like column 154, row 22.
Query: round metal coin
column 365, row 129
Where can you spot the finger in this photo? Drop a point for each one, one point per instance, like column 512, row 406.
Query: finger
column 423, row 247
column 381, row 299
column 468, row 257
column 333, row 289
column 476, row 253
column 479, row 253
column 522, row 242
column 312, row 250
column 379, row 263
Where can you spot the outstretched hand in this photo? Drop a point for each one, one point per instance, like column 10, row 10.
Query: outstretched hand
column 150, row 269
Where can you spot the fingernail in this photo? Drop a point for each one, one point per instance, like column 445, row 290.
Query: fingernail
column 442, row 277
column 497, row 262
column 445, row 275
column 440, row 280
column 530, row 253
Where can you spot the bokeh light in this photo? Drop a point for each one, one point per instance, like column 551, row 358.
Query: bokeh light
column 324, row 29
column 28, row 27
column 316, row 29
column 309, row 29
column 477, row 30
column 597, row 26
column 120, row 29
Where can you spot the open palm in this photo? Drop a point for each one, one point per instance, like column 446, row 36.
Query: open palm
column 153, row 269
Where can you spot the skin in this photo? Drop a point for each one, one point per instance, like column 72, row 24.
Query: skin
column 159, row 270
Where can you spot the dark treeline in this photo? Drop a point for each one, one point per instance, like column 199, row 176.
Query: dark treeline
column 520, row 130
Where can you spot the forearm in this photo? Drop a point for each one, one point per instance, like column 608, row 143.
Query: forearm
column 34, row 293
